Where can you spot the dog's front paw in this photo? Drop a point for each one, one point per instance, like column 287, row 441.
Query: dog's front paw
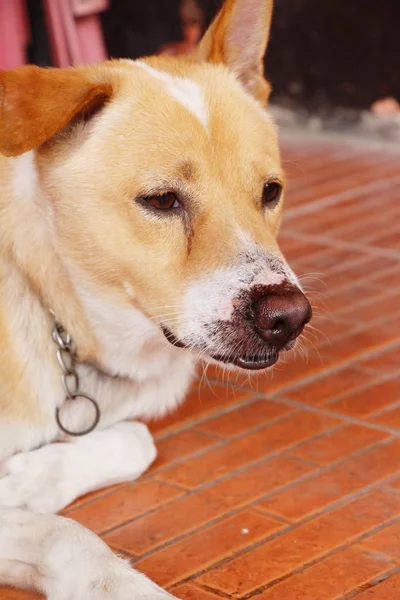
column 48, row 479
column 34, row 480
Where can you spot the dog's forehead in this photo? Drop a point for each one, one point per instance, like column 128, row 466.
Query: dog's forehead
column 205, row 91
column 184, row 90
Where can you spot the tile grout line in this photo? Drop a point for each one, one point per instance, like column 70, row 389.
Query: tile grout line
column 304, row 566
column 318, row 470
column 333, row 199
column 330, row 242
column 368, row 279
column 377, row 380
column 335, row 415
column 371, row 584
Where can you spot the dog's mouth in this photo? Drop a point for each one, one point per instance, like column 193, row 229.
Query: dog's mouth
column 250, row 362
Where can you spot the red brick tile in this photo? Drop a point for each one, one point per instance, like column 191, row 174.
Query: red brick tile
column 191, row 512
column 289, row 246
column 352, row 273
column 238, row 421
column 395, row 484
column 192, row 592
column 94, row 496
column 285, row 375
column 327, row 387
column 304, row 249
column 123, row 505
column 387, row 590
column 11, row 594
column 347, row 178
column 347, row 301
column 254, row 446
column 206, row 547
column 387, row 541
column 389, row 279
column 384, row 361
column 371, row 339
column 308, row 542
column 390, row 418
column 330, row 579
column 387, row 241
column 340, row 216
column 326, row 329
column 362, row 231
column 328, row 260
column 352, row 300
column 335, row 446
column 382, row 304
column 353, row 296
column 346, row 478
column 180, row 446
column 368, row 401
column 200, row 403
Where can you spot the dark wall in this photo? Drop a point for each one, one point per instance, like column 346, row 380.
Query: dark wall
column 335, row 52
column 322, row 54
column 136, row 28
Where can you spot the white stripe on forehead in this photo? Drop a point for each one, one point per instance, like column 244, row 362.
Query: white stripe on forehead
column 184, row 90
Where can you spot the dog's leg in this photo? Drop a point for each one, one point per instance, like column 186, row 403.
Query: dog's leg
column 48, row 479
column 65, row 561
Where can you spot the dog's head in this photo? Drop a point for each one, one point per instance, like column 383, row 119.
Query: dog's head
column 167, row 187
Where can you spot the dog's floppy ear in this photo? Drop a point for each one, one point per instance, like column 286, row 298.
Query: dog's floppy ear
column 238, row 38
column 36, row 103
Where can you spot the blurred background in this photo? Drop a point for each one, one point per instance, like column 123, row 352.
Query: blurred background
column 333, row 63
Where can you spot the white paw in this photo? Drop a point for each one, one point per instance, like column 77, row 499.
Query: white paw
column 48, row 479
column 33, row 480
column 138, row 441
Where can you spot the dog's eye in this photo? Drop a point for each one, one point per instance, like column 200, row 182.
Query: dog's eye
column 271, row 194
column 167, row 201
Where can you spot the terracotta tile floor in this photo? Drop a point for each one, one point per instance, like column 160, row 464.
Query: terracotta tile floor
column 288, row 487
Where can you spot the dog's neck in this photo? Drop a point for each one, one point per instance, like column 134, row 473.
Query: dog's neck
column 129, row 344
column 33, row 249
column 118, row 342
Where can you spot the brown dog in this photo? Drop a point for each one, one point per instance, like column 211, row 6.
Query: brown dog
column 140, row 203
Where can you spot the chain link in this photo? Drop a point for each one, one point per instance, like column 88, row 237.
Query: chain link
column 66, row 356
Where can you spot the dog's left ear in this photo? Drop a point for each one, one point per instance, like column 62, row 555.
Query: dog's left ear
column 37, row 103
column 238, row 38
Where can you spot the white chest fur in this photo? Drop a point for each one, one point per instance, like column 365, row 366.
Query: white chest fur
column 145, row 377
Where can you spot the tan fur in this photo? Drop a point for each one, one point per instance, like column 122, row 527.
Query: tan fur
column 57, row 94
column 218, row 47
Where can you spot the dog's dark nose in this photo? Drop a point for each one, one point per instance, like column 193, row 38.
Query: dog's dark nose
column 281, row 316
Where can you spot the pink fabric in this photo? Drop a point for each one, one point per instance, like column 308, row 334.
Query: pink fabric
column 75, row 31
column 84, row 8
column 74, row 28
column 55, row 27
column 14, row 33
column 91, row 41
